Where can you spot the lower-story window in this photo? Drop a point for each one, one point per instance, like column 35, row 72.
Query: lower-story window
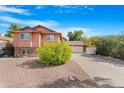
column 25, row 51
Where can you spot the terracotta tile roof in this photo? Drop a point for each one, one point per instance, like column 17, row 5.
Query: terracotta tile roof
column 44, row 29
column 37, row 28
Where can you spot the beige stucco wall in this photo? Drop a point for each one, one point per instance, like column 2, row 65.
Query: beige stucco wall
column 35, row 40
column 21, row 43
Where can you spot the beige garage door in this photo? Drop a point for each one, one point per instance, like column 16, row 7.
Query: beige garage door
column 77, row 49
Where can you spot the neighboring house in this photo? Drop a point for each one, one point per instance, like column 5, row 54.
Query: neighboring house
column 64, row 39
column 77, row 46
column 3, row 41
column 28, row 39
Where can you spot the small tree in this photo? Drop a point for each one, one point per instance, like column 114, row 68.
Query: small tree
column 70, row 36
column 76, row 36
column 9, row 49
column 12, row 27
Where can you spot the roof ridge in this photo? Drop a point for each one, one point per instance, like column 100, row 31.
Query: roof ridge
column 35, row 30
column 44, row 27
column 26, row 27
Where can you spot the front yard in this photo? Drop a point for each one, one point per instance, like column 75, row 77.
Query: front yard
column 28, row 72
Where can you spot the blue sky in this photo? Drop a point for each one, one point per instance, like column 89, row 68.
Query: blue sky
column 93, row 20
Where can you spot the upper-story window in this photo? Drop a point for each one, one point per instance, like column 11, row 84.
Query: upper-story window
column 24, row 36
column 50, row 37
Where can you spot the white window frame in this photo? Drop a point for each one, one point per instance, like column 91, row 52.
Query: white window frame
column 50, row 37
column 27, row 37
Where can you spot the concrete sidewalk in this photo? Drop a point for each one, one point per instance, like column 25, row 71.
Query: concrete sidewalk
column 107, row 72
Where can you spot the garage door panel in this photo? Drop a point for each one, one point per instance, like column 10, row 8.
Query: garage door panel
column 77, row 49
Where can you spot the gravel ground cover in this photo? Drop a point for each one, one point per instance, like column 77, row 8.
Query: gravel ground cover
column 29, row 73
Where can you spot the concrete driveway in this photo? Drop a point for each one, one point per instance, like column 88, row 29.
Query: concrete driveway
column 107, row 72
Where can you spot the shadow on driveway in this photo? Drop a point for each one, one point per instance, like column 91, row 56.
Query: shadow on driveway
column 105, row 59
column 100, row 79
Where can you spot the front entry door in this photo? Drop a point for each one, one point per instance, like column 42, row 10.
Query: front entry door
column 25, row 51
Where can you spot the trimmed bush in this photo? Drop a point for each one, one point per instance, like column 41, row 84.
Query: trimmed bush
column 54, row 53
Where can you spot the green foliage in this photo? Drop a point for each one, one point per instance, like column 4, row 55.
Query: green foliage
column 111, row 46
column 118, row 51
column 70, row 35
column 76, row 36
column 12, row 27
column 84, row 39
column 92, row 40
column 54, row 53
column 9, row 49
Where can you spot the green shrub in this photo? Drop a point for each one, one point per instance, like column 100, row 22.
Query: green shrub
column 9, row 49
column 118, row 51
column 92, row 40
column 111, row 46
column 54, row 53
column 104, row 46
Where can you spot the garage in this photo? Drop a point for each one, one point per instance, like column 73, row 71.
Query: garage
column 77, row 49
column 77, row 46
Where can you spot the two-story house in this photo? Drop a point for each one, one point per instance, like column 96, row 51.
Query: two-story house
column 27, row 39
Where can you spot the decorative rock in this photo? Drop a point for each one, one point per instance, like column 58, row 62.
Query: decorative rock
column 90, row 82
column 72, row 78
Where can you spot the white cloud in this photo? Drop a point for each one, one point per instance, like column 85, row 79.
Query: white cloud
column 85, row 6
column 14, row 10
column 87, row 31
column 64, row 11
column 92, row 33
column 10, row 19
column 65, row 30
column 39, row 7
column 4, row 25
column 68, row 6
column 82, row 9
column 47, row 23
column 74, row 6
